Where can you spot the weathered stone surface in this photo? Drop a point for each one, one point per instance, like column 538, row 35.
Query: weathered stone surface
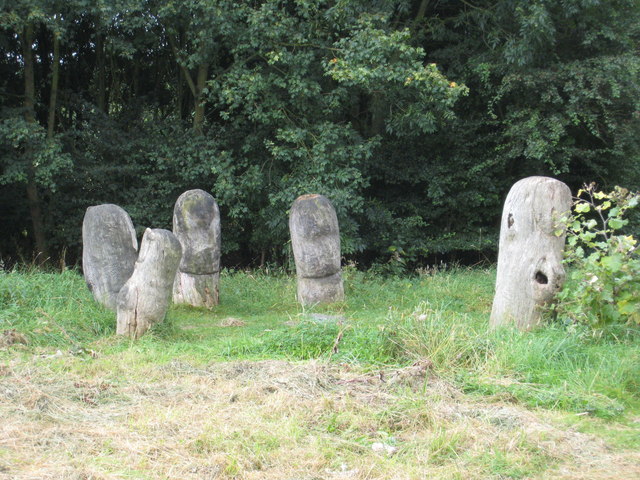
column 196, row 224
column 145, row 297
column 315, row 238
column 530, row 270
column 196, row 290
column 320, row 290
column 109, row 251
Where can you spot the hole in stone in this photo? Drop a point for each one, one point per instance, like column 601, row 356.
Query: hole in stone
column 541, row 278
column 510, row 220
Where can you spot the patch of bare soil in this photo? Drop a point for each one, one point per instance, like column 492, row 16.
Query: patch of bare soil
column 278, row 420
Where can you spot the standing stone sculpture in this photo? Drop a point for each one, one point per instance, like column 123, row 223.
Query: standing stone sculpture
column 145, row 297
column 109, row 251
column 315, row 239
column 530, row 270
column 196, row 223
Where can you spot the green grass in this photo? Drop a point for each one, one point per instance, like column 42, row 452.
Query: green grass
column 384, row 321
column 463, row 419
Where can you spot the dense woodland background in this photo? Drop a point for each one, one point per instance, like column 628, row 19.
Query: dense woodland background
column 413, row 117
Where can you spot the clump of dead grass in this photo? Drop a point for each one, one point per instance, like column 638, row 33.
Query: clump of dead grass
column 11, row 337
column 232, row 322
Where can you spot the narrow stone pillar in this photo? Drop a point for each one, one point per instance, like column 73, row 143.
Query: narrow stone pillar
column 315, row 238
column 530, row 270
column 109, row 251
column 145, row 298
column 196, row 223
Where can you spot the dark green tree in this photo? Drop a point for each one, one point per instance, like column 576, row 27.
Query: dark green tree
column 414, row 117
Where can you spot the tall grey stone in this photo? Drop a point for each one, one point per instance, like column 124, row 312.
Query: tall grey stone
column 530, row 270
column 145, row 297
column 315, row 238
column 196, row 223
column 109, row 251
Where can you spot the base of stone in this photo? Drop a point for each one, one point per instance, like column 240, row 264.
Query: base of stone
column 196, row 290
column 320, row 290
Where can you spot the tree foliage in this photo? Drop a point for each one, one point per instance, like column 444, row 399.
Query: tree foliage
column 414, row 117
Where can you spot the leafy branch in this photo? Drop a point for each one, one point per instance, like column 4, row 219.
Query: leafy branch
column 604, row 266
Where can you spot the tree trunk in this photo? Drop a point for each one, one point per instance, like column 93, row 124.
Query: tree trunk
column 378, row 107
column 35, row 209
column 33, row 197
column 145, row 298
column 198, row 117
column 101, row 80
column 422, row 9
column 530, row 268
column 179, row 94
column 135, row 83
column 196, row 87
column 55, row 78
column 114, row 89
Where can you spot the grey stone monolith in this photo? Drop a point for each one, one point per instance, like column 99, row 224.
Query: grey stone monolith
column 196, row 223
column 315, row 238
column 109, row 251
column 530, row 270
column 145, row 297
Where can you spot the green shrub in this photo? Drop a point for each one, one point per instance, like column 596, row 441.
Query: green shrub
column 603, row 284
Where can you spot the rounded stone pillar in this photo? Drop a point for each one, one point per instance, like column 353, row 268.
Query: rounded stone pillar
column 109, row 251
column 315, row 238
column 196, row 223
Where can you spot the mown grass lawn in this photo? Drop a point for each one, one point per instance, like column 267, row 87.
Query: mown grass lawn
column 401, row 381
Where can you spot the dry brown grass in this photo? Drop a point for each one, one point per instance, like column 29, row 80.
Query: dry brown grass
column 276, row 420
column 232, row 322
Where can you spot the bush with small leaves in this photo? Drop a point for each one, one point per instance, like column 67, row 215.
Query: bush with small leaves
column 603, row 285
